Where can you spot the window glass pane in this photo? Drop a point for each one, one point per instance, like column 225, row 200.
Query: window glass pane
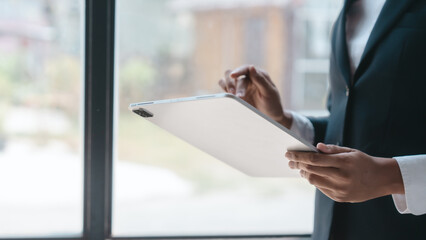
column 180, row 48
column 40, row 118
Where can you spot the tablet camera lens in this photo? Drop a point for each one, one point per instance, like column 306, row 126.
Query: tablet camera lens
column 143, row 113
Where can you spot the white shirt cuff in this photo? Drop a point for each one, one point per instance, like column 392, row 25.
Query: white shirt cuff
column 302, row 127
column 413, row 171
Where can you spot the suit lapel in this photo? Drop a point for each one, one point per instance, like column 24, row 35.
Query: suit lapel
column 391, row 12
column 341, row 49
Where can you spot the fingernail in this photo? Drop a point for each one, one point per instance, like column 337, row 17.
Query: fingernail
column 240, row 94
column 289, row 155
column 291, row 164
column 326, row 146
column 232, row 90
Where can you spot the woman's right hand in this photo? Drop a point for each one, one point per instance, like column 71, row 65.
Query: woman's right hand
column 256, row 87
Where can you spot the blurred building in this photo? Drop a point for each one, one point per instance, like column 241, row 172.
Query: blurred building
column 277, row 36
column 226, row 38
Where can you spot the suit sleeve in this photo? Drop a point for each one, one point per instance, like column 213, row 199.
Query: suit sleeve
column 320, row 124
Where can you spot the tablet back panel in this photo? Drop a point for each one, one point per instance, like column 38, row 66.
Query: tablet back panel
column 229, row 129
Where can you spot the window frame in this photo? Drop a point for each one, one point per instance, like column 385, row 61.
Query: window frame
column 99, row 63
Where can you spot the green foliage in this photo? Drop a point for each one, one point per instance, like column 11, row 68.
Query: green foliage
column 63, row 88
column 135, row 76
column 64, row 74
column 137, row 71
column 5, row 85
column 8, row 76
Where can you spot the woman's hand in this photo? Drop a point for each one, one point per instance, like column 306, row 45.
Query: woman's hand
column 348, row 175
column 256, row 87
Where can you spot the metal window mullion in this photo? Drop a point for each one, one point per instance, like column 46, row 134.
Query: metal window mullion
column 99, row 88
column 221, row 237
column 42, row 238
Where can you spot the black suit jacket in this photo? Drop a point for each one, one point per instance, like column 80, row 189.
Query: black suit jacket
column 381, row 110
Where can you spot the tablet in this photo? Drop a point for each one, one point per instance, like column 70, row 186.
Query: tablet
column 229, row 129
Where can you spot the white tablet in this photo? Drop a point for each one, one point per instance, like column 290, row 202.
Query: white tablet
column 229, row 129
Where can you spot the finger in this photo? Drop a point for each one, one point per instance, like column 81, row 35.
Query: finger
column 315, row 159
column 331, row 149
column 260, row 81
column 265, row 75
column 328, row 192
column 242, row 85
column 240, row 71
column 230, row 82
column 245, row 70
column 222, row 84
column 318, row 181
column 321, row 171
column 257, row 77
column 331, row 193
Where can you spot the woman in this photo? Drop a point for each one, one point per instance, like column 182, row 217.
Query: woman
column 377, row 110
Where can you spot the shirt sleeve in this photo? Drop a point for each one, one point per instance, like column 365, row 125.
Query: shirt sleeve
column 413, row 171
column 302, row 127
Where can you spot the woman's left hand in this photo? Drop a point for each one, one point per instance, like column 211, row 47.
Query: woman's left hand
column 348, row 175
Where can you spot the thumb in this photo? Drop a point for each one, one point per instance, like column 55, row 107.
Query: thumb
column 332, row 149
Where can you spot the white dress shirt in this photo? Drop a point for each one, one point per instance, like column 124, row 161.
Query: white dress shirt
column 360, row 20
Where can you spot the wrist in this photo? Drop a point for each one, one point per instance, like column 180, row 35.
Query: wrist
column 392, row 178
column 286, row 120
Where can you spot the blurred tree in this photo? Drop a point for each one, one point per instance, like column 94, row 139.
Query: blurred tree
column 64, row 85
column 6, row 84
column 135, row 76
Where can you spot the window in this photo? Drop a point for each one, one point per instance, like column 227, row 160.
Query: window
column 310, row 49
column 64, row 117
column 41, row 167
column 165, row 187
